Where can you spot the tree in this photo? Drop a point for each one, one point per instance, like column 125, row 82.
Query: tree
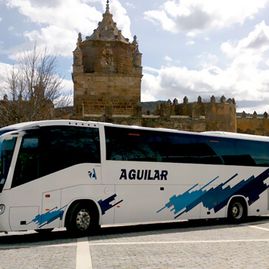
column 33, row 89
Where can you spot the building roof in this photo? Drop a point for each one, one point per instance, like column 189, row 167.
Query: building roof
column 107, row 29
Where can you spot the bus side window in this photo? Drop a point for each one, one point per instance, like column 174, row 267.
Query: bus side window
column 65, row 146
column 27, row 165
column 131, row 145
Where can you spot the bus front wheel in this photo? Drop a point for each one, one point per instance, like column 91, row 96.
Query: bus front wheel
column 82, row 219
column 237, row 210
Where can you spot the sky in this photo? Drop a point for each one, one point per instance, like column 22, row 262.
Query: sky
column 190, row 47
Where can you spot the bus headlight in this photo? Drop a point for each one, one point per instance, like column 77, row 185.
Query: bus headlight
column 2, row 209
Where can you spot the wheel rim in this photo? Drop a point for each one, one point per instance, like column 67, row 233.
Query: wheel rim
column 237, row 211
column 83, row 220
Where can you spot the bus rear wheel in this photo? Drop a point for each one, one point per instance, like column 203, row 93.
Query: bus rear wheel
column 237, row 211
column 81, row 219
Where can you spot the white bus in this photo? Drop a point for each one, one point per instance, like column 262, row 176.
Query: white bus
column 82, row 175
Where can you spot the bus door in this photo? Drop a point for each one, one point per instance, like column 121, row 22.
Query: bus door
column 22, row 198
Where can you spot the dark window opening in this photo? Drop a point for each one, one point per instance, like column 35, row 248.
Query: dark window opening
column 6, row 152
column 155, row 146
column 50, row 149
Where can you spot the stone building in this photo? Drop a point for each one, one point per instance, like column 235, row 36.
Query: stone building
column 107, row 73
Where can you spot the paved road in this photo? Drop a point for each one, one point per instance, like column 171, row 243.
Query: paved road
column 164, row 246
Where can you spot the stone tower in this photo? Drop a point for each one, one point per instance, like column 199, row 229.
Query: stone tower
column 107, row 73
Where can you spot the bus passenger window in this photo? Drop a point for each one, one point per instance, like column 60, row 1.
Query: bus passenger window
column 65, row 146
column 131, row 145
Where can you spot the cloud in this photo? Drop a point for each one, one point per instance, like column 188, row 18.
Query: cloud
column 150, row 84
column 190, row 43
column 4, row 70
column 130, row 5
column 256, row 43
column 70, row 14
column 56, row 39
column 67, row 93
column 58, row 22
column 194, row 16
column 244, row 78
column 11, row 28
column 161, row 17
column 47, row 3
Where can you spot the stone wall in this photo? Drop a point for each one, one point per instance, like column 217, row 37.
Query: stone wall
column 253, row 123
column 199, row 116
column 196, row 116
column 98, row 94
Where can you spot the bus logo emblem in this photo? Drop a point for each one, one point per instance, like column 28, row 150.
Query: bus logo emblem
column 92, row 174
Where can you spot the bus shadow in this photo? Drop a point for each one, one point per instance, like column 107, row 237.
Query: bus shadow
column 30, row 239
column 59, row 237
column 184, row 226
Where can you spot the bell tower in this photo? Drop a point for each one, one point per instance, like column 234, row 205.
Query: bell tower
column 107, row 72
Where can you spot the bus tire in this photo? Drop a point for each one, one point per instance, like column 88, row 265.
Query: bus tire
column 237, row 210
column 82, row 219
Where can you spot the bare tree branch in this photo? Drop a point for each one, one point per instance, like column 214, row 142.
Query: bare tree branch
column 33, row 89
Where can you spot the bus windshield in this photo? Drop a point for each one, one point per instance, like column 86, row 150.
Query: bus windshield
column 6, row 151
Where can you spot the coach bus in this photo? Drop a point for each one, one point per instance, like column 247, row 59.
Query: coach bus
column 82, row 175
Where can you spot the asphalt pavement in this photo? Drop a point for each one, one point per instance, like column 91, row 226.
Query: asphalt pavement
column 194, row 244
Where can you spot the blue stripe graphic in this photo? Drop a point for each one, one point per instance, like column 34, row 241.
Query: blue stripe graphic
column 217, row 197
column 105, row 204
column 48, row 217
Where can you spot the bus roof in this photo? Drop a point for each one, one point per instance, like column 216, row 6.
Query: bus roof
column 236, row 135
column 207, row 133
column 32, row 124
